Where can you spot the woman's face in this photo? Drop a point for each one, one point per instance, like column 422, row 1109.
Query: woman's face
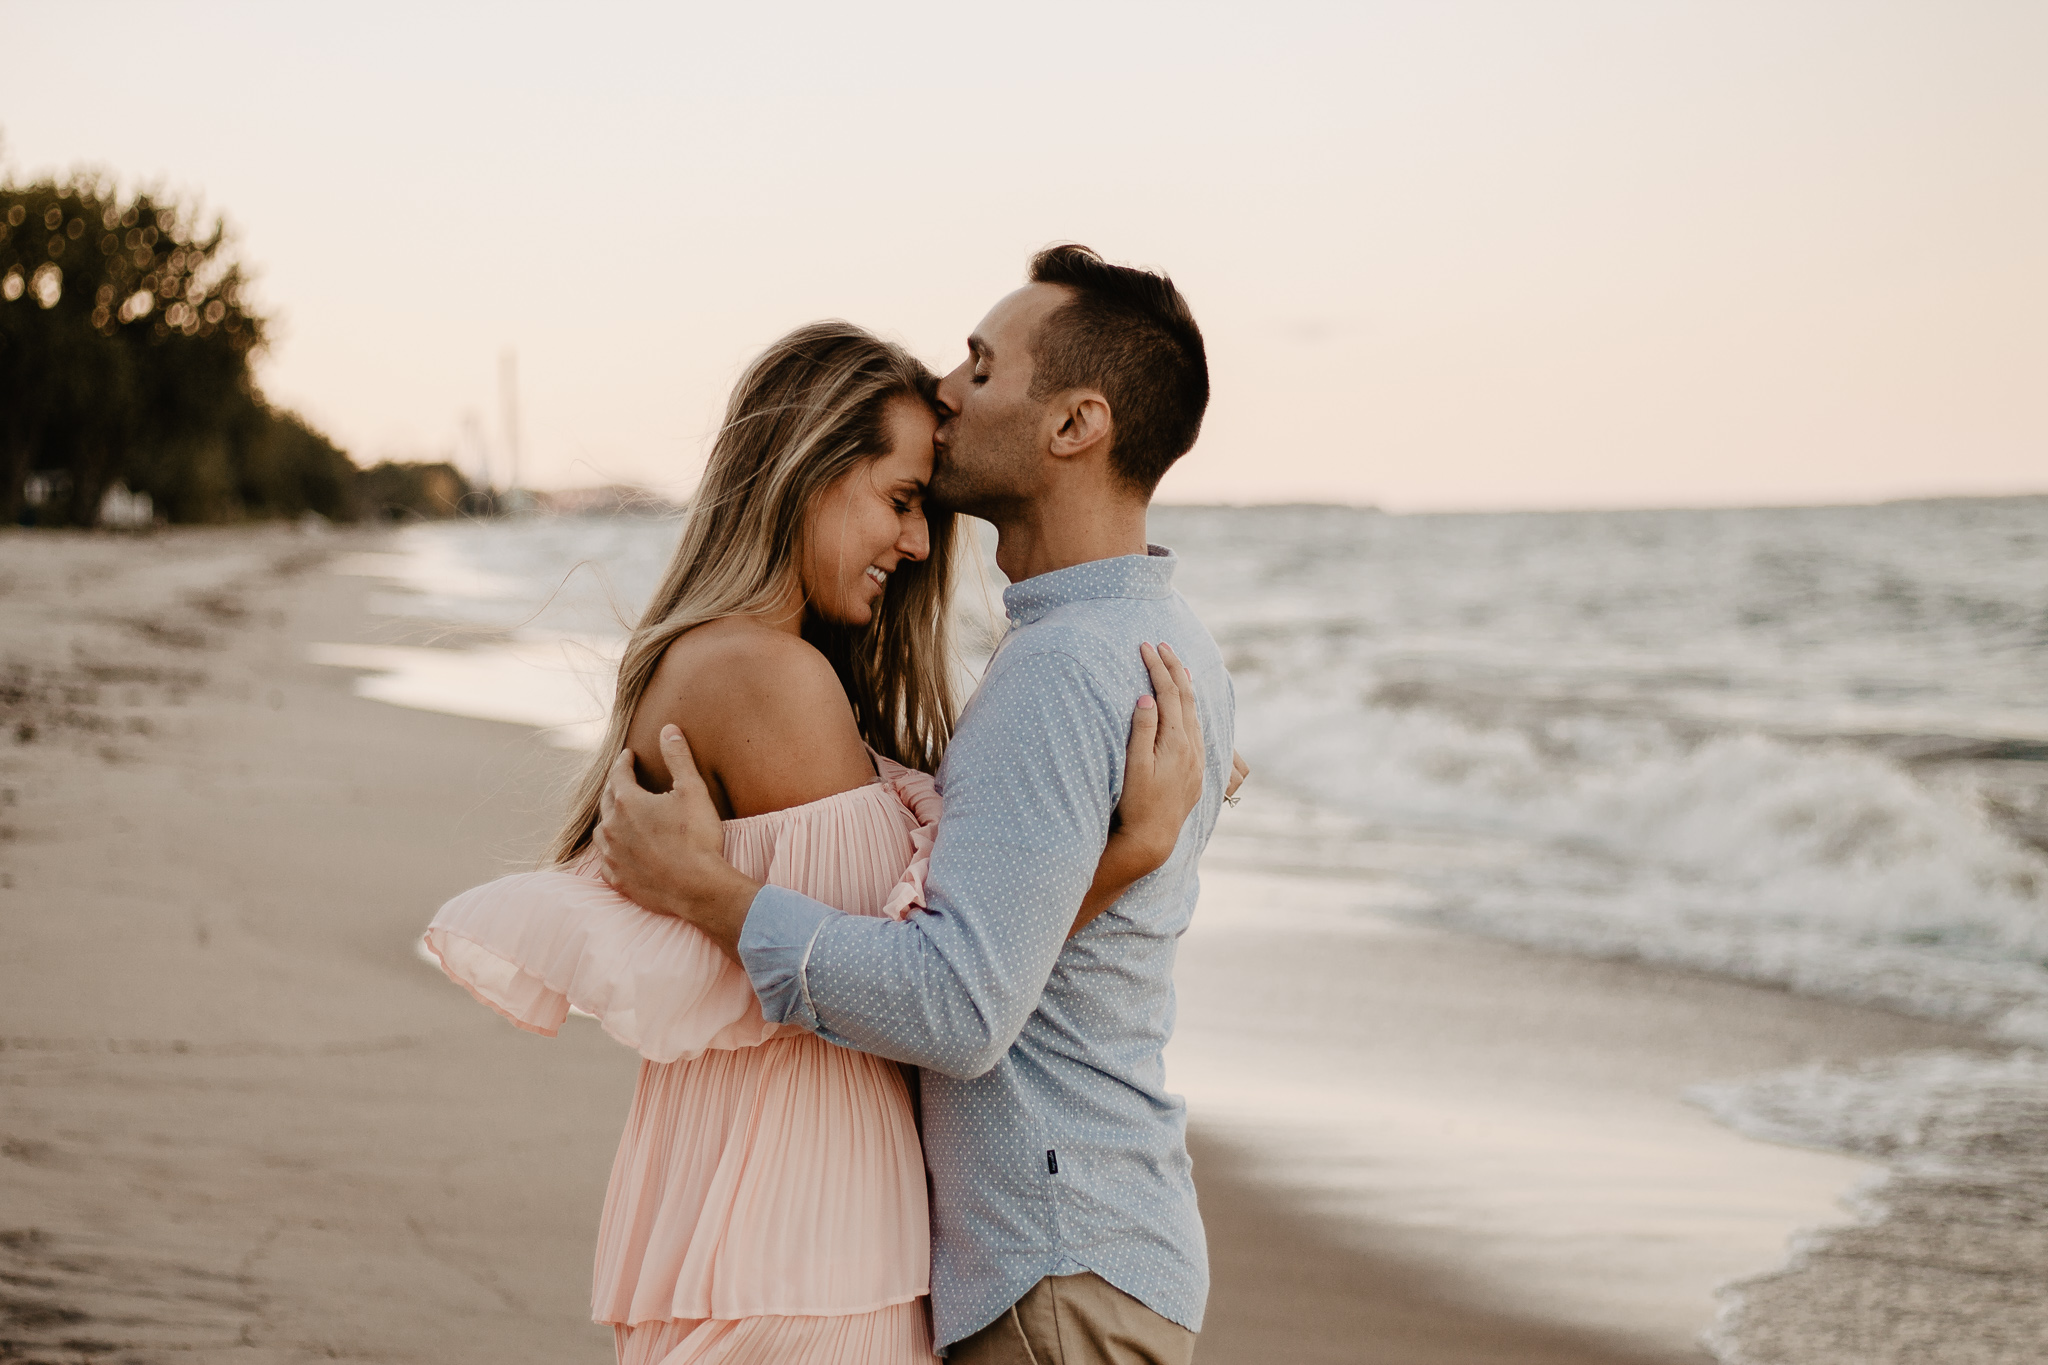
column 870, row 520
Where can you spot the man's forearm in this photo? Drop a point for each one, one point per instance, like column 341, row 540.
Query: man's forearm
column 904, row 1000
column 948, row 988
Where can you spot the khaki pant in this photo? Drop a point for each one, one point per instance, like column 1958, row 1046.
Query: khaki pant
column 1076, row 1320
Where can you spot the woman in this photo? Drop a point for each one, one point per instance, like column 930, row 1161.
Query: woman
column 768, row 1198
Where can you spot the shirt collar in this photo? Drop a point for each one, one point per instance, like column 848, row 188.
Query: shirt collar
column 1149, row 575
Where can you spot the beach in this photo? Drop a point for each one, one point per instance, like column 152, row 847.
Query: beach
column 242, row 1120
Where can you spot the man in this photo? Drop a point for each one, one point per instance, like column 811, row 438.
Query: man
column 1064, row 1218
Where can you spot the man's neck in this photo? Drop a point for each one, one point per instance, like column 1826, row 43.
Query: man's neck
column 1057, row 532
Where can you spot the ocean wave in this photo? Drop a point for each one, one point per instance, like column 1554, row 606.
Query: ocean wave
column 1827, row 868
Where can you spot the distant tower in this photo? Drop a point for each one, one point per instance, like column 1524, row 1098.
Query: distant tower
column 508, row 398
column 478, row 447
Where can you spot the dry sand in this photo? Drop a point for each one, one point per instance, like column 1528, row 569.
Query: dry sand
column 240, row 1121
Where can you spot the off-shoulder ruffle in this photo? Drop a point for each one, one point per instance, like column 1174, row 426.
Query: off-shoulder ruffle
column 919, row 794
column 534, row 944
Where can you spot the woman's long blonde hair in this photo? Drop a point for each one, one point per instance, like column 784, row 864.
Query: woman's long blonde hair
column 810, row 408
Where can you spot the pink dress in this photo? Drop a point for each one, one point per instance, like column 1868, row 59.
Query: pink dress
column 768, row 1198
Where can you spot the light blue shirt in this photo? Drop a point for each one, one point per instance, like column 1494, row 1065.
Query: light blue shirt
column 1053, row 1144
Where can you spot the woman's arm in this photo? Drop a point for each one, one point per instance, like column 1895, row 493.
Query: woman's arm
column 1162, row 783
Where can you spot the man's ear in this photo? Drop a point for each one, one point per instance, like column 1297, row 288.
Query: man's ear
column 1085, row 426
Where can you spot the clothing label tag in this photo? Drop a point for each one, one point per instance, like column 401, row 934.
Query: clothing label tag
column 1052, row 1162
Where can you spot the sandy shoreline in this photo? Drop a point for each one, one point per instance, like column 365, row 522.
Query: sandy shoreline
column 1496, row 1139
column 243, row 1122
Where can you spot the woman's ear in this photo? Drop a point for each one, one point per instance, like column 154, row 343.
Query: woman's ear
column 1085, row 425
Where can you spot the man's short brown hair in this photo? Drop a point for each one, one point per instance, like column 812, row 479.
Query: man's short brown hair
column 1129, row 334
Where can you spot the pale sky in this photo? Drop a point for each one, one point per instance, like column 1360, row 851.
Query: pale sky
column 1446, row 254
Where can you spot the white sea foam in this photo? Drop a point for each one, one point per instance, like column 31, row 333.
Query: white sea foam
column 1699, row 737
column 1827, row 868
column 1931, row 1113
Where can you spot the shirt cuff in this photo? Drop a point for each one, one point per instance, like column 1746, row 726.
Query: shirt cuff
column 775, row 950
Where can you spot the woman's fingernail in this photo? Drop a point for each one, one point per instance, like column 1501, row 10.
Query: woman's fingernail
column 1144, row 703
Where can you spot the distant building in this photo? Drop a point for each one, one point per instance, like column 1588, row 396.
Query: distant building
column 122, row 510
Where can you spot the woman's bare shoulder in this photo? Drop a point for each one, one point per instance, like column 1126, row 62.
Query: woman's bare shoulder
column 766, row 717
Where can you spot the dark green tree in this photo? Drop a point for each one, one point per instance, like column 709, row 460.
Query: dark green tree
column 125, row 345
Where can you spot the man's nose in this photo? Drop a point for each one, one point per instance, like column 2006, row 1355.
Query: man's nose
column 951, row 390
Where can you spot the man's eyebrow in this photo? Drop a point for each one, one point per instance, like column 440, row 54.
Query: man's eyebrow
column 976, row 346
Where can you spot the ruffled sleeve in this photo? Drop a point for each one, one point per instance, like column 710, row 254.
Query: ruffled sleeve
column 532, row 945
column 919, row 794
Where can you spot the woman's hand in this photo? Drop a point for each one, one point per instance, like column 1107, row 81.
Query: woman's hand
column 1162, row 783
column 1163, row 764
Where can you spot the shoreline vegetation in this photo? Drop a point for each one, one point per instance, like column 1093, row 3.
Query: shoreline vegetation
column 127, row 398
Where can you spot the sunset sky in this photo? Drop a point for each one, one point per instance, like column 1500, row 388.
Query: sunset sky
column 1447, row 254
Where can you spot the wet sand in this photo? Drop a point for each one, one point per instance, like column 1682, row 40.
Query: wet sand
column 241, row 1121
column 1419, row 1146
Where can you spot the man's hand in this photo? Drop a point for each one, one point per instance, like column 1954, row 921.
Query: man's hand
column 667, row 852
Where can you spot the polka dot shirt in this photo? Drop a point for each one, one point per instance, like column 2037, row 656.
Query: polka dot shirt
column 1053, row 1144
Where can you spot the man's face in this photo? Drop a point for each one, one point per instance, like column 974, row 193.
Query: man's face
column 993, row 438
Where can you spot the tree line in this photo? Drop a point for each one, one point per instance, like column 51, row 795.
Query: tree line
column 125, row 346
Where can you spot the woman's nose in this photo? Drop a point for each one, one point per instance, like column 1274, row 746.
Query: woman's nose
column 916, row 540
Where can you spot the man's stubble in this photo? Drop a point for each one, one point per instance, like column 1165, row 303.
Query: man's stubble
column 989, row 467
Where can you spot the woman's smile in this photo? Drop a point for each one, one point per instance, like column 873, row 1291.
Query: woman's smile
column 873, row 516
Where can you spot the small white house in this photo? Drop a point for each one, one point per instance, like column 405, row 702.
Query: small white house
column 122, row 510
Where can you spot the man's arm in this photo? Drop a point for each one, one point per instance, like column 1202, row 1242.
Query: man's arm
column 1030, row 788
